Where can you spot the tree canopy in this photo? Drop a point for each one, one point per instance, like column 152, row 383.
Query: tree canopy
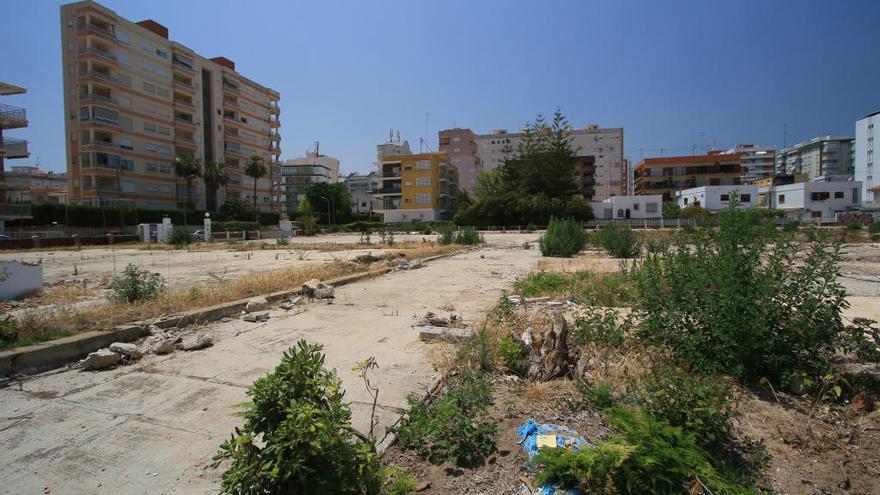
column 324, row 196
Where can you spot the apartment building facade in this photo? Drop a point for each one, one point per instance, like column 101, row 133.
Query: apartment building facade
column 812, row 200
column 757, row 162
column 460, row 145
column 11, row 117
column 824, row 158
column 422, row 186
column 665, row 175
column 299, row 173
column 135, row 101
column 29, row 184
column 864, row 162
column 599, row 146
column 361, row 188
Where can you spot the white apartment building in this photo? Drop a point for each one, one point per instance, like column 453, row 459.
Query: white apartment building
column 823, row 158
column 817, row 201
column 864, row 157
column 299, row 173
column 647, row 206
column 361, row 187
column 602, row 147
column 757, row 161
column 714, row 198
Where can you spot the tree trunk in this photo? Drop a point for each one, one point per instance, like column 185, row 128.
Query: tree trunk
column 255, row 193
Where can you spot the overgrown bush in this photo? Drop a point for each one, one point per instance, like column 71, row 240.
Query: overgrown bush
column 510, row 353
column 854, row 226
column 644, row 455
column 297, row 435
column 468, row 236
column 874, row 227
column 597, row 395
column 608, row 289
column 600, row 325
column 180, row 236
column 618, row 241
column 671, row 210
column 730, row 302
column 136, row 285
column 702, row 405
column 564, row 238
column 697, row 212
column 457, row 428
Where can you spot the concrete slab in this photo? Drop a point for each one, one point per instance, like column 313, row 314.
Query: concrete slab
column 152, row 427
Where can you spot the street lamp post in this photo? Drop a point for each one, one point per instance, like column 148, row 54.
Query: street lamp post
column 329, row 218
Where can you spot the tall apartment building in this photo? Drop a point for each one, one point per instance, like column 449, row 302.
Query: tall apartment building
column 421, row 186
column 824, row 158
column 675, row 173
column 11, row 118
column 361, row 187
column 866, row 129
column 134, row 101
column 299, row 173
column 602, row 147
column 757, row 162
column 460, row 146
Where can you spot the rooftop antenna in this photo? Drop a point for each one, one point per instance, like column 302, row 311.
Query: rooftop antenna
column 398, row 136
column 317, row 148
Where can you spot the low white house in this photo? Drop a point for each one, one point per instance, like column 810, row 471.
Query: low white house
column 647, row 206
column 820, row 201
column 714, row 198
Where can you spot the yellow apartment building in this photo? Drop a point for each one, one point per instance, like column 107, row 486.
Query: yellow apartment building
column 421, row 186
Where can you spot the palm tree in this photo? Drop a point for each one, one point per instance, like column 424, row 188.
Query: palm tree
column 255, row 169
column 187, row 167
column 215, row 176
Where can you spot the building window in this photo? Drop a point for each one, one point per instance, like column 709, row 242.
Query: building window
column 781, row 199
column 819, row 196
column 816, row 214
column 635, row 206
column 126, row 143
column 745, row 198
column 651, row 207
column 838, row 194
column 152, row 167
column 423, row 181
column 423, row 165
column 725, row 197
column 423, row 199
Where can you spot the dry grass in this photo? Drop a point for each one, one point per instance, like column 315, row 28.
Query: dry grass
column 547, row 392
column 64, row 294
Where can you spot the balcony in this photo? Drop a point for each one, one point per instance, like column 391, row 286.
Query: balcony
column 274, row 109
column 177, row 64
column 97, row 51
column 100, row 143
column 230, row 86
column 185, row 122
column 181, row 101
column 104, row 188
column 394, row 173
column 230, row 103
column 13, row 148
column 184, row 85
column 388, row 190
column 99, row 115
column 103, row 31
column 102, row 76
column 184, row 139
column 274, row 136
column 99, row 98
column 12, row 117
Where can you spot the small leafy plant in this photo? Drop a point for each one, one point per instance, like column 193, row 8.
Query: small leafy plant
column 180, row 236
column 136, row 285
column 510, row 353
column 617, row 241
column 601, row 325
column 564, row 238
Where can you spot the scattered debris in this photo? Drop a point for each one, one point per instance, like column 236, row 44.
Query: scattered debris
column 324, row 291
column 200, row 342
column 286, row 306
column 308, row 288
column 401, row 263
column 166, row 346
column 130, row 351
column 535, row 437
column 298, row 301
column 101, row 359
column 429, row 333
column 431, row 319
column 256, row 317
column 256, row 304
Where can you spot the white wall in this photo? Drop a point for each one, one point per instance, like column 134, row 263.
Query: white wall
column 865, row 163
column 648, row 206
column 797, row 199
column 410, row 214
column 710, row 197
column 20, row 279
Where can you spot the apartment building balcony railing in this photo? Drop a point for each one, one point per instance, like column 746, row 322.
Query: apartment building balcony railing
column 110, row 189
column 391, row 207
column 13, row 148
column 389, row 190
column 275, row 136
column 181, row 101
column 184, row 139
column 230, row 103
column 177, row 64
column 10, row 211
column 274, row 109
column 102, row 31
column 12, row 117
column 185, row 85
column 185, row 122
column 98, row 51
column 99, row 115
column 390, row 174
column 102, row 76
column 100, row 98
column 275, row 150
column 228, row 86
column 100, row 143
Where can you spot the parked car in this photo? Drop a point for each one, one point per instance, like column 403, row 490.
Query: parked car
column 198, row 236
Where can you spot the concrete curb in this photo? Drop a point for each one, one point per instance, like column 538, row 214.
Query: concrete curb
column 45, row 356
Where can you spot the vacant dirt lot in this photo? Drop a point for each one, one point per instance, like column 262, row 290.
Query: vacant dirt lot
column 152, row 427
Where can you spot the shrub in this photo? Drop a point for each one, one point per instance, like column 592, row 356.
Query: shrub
column 697, row 212
column 456, row 429
column 531, row 227
column 366, row 259
column 136, row 285
column 731, row 303
column 564, row 238
column 477, row 353
column 468, row 236
column 600, row 396
column 854, row 226
column 863, row 339
column 447, row 235
column 610, row 289
column 397, row 481
column 619, row 242
column 180, row 236
column 510, row 353
column 791, row 226
column 601, row 326
column 702, row 405
column 644, row 455
column 671, row 210
column 874, row 227
column 283, row 241
column 297, row 435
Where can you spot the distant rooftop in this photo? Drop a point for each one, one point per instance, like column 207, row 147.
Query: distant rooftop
column 11, row 89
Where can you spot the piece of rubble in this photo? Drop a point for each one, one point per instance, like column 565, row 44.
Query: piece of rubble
column 429, row 333
column 166, row 346
column 324, row 291
column 308, row 288
column 101, row 359
column 128, row 350
column 286, row 306
column 200, row 342
column 298, row 300
column 256, row 317
column 256, row 304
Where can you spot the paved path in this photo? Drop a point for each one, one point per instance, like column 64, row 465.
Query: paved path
column 152, row 427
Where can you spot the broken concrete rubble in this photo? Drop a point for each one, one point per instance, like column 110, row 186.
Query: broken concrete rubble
column 199, row 342
column 404, row 264
column 256, row 317
column 130, row 351
column 308, row 288
column 256, row 304
column 429, row 333
column 100, row 359
column 324, row 292
column 166, row 346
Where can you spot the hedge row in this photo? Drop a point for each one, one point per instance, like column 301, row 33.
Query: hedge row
column 96, row 216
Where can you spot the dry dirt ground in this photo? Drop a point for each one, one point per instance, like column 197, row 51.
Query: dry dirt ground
column 152, row 427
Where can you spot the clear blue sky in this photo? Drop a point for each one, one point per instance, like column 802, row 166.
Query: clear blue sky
column 665, row 71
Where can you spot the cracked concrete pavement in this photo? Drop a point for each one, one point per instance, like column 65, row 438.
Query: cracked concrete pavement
column 152, row 427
